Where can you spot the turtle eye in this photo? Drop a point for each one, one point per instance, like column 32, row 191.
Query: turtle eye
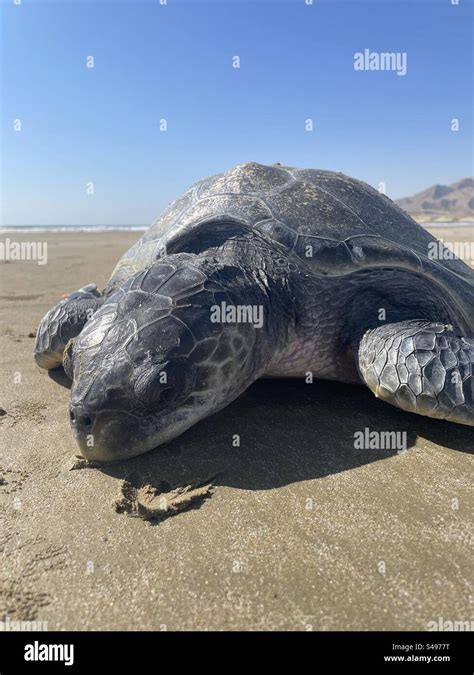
column 67, row 359
column 152, row 388
column 165, row 385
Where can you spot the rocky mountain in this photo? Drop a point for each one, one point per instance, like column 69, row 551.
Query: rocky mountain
column 448, row 203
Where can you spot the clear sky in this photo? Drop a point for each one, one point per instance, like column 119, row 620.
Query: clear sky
column 174, row 61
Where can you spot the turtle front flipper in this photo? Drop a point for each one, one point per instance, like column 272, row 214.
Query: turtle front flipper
column 63, row 322
column 420, row 367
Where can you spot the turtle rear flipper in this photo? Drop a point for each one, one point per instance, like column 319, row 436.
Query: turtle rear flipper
column 420, row 367
column 64, row 322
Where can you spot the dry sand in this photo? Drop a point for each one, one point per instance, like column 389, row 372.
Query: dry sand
column 300, row 531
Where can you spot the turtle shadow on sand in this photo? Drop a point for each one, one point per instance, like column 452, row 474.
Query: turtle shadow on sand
column 59, row 376
column 289, row 431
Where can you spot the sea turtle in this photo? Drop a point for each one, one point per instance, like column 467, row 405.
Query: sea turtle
column 263, row 271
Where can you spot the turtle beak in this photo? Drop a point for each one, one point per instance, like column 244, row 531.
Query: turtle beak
column 106, row 436
column 82, row 424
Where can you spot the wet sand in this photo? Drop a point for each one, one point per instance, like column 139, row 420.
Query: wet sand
column 301, row 530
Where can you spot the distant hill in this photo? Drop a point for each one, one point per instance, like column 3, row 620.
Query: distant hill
column 442, row 202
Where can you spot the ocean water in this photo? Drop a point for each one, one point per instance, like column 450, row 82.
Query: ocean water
column 143, row 228
column 72, row 228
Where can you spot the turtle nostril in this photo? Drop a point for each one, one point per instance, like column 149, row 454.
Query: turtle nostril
column 86, row 421
column 80, row 420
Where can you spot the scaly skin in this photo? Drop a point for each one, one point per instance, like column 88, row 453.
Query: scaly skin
column 151, row 363
column 62, row 323
column 420, row 367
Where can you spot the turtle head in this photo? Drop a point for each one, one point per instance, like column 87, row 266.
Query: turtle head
column 149, row 364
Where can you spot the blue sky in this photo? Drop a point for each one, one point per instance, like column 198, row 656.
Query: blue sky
column 174, row 62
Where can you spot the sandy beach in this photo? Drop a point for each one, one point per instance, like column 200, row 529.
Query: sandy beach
column 301, row 531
